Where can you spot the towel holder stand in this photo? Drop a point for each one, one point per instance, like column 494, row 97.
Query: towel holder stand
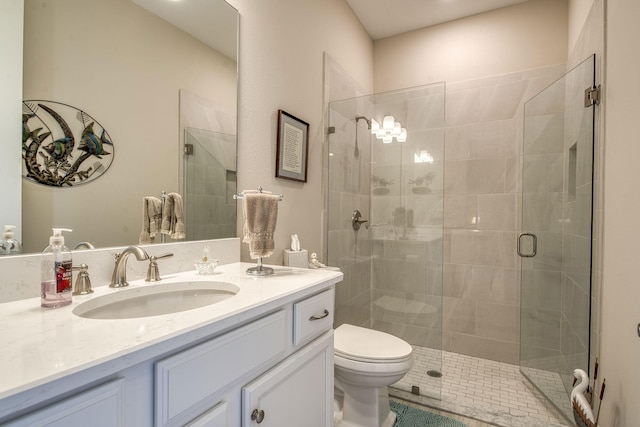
column 240, row 196
column 258, row 270
column 163, row 201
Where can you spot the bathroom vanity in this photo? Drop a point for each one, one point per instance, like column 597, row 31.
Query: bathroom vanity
column 262, row 356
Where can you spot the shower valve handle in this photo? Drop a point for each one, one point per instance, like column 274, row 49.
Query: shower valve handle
column 357, row 221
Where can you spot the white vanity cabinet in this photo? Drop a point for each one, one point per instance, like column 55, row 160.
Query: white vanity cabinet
column 274, row 371
column 194, row 380
column 268, row 362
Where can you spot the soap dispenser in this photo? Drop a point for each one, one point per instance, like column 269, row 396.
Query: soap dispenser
column 9, row 245
column 56, row 272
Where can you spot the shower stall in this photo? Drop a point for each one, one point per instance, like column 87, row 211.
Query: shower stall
column 430, row 253
column 392, row 263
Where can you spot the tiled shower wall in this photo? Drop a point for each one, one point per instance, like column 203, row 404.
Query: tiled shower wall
column 483, row 148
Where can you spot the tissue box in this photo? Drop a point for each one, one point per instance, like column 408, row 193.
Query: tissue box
column 296, row 258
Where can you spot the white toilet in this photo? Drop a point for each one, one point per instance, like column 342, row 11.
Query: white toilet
column 365, row 363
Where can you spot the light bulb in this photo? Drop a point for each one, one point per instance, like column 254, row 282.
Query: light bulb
column 388, row 139
column 388, row 123
column 375, row 126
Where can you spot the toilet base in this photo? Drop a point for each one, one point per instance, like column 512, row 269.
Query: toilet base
column 369, row 407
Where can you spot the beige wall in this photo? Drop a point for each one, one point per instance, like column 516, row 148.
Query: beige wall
column 620, row 354
column 281, row 67
column 516, row 38
column 578, row 13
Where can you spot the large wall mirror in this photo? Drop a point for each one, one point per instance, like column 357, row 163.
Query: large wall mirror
column 153, row 73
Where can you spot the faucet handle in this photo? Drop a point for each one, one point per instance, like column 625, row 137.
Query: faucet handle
column 83, row 282
column 153, row 273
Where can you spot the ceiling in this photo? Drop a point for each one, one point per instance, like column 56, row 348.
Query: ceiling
column 385, row 18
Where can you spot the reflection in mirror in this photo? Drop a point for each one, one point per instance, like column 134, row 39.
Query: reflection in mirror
column 128, row 68
column 210, row 183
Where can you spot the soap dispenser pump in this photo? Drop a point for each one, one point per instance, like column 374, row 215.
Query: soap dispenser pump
column 56, row 272
column 9, row 245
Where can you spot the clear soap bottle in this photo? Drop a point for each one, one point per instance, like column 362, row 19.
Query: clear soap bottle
column 56, row 272
column 9, row 245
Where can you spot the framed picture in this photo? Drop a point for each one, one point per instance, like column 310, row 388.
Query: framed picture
column 293, row 147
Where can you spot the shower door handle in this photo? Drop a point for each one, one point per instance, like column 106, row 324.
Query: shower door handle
column 533, row 249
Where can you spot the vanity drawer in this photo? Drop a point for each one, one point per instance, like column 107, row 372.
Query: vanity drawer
column 187, row 382
column 312, row 316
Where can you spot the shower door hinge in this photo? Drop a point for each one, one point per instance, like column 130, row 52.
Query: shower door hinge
column 188, row 149
column 592, row 96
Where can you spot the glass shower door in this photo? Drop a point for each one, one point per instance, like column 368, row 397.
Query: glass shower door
column 555, row 246
column 392, row 265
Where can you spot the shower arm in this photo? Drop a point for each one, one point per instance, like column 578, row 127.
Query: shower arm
column 358, row 118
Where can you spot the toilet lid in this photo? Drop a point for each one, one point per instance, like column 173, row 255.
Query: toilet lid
column 356, row 343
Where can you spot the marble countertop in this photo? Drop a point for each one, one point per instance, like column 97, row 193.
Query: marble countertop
column 42, row 345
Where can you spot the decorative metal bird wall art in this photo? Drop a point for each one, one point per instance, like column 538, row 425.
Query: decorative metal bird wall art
column 49, row 151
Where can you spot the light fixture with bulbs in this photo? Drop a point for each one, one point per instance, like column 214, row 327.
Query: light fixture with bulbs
column 390, row 129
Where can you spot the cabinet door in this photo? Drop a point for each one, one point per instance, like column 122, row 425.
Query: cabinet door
column 188, row 383
column 101, row 406
column 215, row 417
column 297, row 392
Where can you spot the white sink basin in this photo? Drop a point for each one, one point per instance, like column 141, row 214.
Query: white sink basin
column 155, row 300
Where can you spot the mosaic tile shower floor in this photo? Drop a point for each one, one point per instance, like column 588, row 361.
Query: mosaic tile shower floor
column 492, row 392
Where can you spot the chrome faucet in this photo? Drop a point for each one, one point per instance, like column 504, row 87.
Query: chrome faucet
column 119, row 276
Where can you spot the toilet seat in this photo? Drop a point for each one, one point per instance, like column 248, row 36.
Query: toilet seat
column 369, row 346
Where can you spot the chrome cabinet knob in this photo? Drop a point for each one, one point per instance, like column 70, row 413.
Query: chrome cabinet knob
column 257, row 416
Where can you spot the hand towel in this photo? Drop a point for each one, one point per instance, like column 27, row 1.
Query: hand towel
column 173, row 217
column 151, row 219
column 260, row 211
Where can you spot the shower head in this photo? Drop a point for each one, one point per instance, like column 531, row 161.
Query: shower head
column 358, row 118
column 356, row 151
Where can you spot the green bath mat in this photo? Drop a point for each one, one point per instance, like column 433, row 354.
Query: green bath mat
column 412, row 417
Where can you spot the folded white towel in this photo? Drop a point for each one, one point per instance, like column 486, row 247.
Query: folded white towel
column 260, row 211
column 173, row 217
column 151, row 219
